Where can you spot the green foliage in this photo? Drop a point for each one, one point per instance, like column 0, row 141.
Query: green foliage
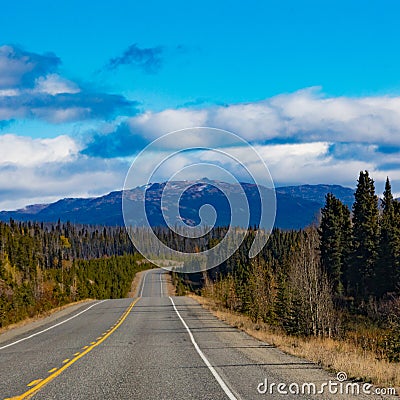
column 362, row 259
column 180, row 287
column 362, row 271
column 45, row 266
column 388, row 267
column 105, row 278
column 335, row 237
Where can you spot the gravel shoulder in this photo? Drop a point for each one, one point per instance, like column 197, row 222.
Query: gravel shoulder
column 30, row 325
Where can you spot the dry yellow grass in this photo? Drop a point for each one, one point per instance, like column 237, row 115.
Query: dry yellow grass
column 41, row 316
column 333, row 355
column 171, row 290
column 135, row 284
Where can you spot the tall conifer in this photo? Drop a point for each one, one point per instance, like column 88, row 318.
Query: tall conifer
column 362, row 272
column 335, row 238
column 389, row 245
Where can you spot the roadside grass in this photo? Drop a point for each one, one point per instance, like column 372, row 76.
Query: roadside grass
column 41, row 315
column 133, row 292
column 331, row 354
column 171, row 288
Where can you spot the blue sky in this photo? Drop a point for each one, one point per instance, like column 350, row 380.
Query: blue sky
column 314, row 85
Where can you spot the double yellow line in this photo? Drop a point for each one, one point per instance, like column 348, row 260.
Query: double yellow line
column 45, row 381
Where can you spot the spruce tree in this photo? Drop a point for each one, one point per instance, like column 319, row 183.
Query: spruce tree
column 335, row 241
column 396, row 268
column 389, row 246
column 362, row 271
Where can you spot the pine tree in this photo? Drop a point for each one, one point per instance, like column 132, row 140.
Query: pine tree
column 362, row 271
column 335, row 240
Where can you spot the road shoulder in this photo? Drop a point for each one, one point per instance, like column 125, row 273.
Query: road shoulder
column 285, row 345
column 31, row 324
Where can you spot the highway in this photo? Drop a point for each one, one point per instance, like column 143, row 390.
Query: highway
column 152, row 347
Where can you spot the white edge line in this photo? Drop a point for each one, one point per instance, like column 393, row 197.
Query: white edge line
column 161, row 285
column 51, row 327
column 223, row 385
column 144, row 279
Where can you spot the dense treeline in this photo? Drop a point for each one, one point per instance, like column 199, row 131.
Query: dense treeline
column 284, row 285
column 45, row 266
column 326, row 280
column 361, row 253
column 28, row 244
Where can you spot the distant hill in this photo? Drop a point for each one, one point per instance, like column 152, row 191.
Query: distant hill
column 297, row 206
column 317, row 193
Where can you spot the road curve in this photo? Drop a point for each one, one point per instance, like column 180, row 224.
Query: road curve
column 152, row 347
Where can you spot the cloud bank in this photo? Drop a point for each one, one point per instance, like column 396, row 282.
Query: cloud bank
column 20, row 68
column 304, row 137
column 32, row 88
column 360, row 129
column 303, row 116
column 45, row 170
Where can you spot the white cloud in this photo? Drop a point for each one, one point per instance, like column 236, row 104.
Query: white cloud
column 303, row 163
column 288, row 164
column 306, row 115
column 9, row 92
column 153, row 125
column 12, row 68
column 61, row 115
column 27, row 152
column 29, row 187
column 19, row 68
column 32, row 88
column 54, row 84
column 44, row 170
column 48, row 182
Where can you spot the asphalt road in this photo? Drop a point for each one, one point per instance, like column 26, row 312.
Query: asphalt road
column 153, row 347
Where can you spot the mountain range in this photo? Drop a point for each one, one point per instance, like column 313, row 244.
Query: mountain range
column 297, row 206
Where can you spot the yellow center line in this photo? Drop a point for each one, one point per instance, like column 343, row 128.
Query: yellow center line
column 52, row 370
column 75, row 354
column 35, row 382
column 45, row 381
column 65, row 361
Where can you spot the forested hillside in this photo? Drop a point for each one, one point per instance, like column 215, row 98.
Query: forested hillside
column 45, row 266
